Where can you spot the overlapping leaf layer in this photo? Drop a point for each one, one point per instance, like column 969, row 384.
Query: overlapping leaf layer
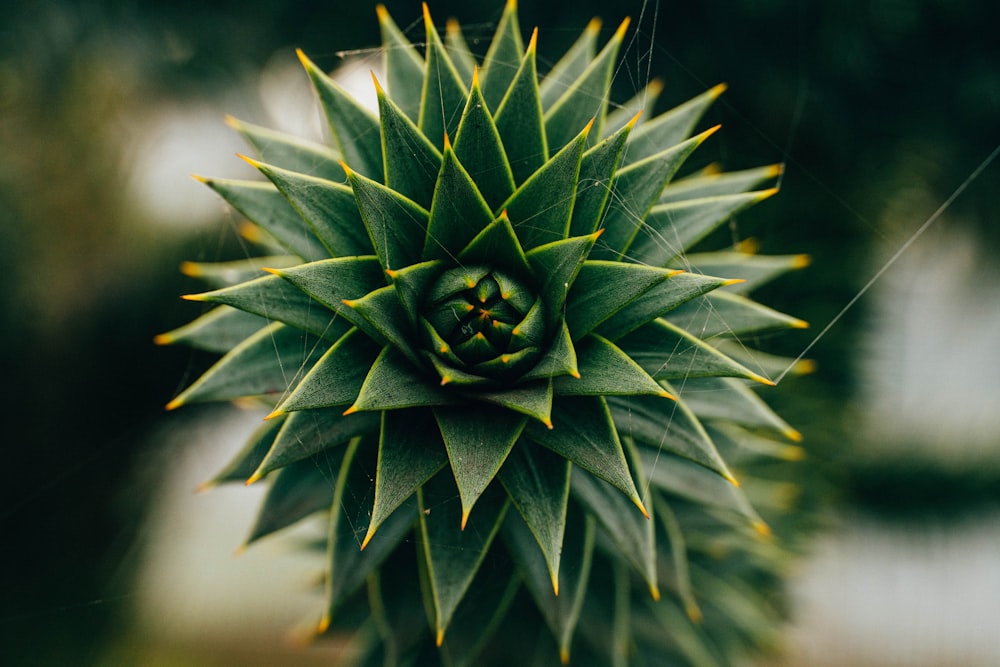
column 483, row 297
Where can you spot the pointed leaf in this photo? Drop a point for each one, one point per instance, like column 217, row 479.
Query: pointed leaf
column 298, row 490
column 637, row 188
column 411, row 160
column 396, row 225
column 584, row 433
column 262, row 204
column 246, row 461
column 458, row 213
column 355, row 129
column 349, row 519
column 478, row 146
column 668, row 352
column 631, row 532
column 542, row 206
column 477, row 619
column 404, row 67
column 503, row 57
column 386, row 319
column 519, row 119
column 556, row 266
column 719, row 313
column 290, row 152
column 728, row 399
column 309, row 432
column 658, row 301
column 497, row 245
column 606, row 371
column 528, row 398
column 754, row 270
column 715, row 184
column 562, row 611
column 226, row 274
column 537, row 482
column 413, row 284
column 559, row 360
column 670, row 128
column 266, row 363
column 586, row 98
column 329, row 208
column 218, row 330
column 444, row 92
column 410, row 453
column 603, row 288
column 670, row 229
column 571, row 65
column 478, row 443
column 276, row 300
column 331, row 282
column 453, row 556
column 597, row 175
column 337, row 376
column 393, row 383
column 643, row 102
column 667, row 426
column 454, row 42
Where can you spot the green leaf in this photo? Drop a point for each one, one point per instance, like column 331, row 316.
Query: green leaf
column 329, row 208
column 458, row 212
column 631, row 532
column 571, row 65
column 668, row 352
column 606, row 371
column 333, row 281
column 410, row 452
column 637, row 188
column 478, row 147
column 226, row 274
column 714, row 184
column 394, row 383
column 247, row 460
column 671, row 127
column 411, row 160
column 497, row 245
column 444, row 92
column 722, row 314
column 754, row 270
column 298, row 490
column 597, row 175
column 404, row 67
column 678, row 557
column 453, row 556
column 542, row 206
column 275, row 300
column 556, row 265
column 262, row 204
column 309, row 432
column 528, row 398
column 586, row 98
column 267, row 363
column 728, row 399
column 503, row 57
column 478, row 443
column 349, row 520
column 559, row 360
column 519, row 119
column 584, row 433
column 477, row 619
column 337, row 377
column 768, row 365
column 562, row 611
column 537, row 482
column 290, row 152
column 355, row 129
column 670, row 427
column 695, row 483
column 218, row 330
column 386, row 319
column 603, row 288
column 413, row 284
column 657, row 302
column 396, row 225
column 670, row 229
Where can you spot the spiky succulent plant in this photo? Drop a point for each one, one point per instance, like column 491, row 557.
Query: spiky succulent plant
column 485, row 370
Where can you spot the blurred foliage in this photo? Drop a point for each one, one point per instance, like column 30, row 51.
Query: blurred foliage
column 880, row 109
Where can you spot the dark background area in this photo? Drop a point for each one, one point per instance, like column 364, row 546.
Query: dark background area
column 875, row 106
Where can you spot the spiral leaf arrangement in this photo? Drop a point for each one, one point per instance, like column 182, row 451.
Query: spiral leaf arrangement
column 469, row 299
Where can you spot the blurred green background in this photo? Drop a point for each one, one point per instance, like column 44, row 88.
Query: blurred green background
column 879, row 109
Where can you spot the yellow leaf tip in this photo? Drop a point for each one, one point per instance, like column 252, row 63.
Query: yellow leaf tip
column 378, row 86
column 430, row 23
column 381, row 12
column 792, row 434
column 732, row 480
column 555, row 584
column 801, row 261
column 256, row 477
column 718, row 89
column 256, row 164
column 191, row 269
column 277, row 412
column 642, row 508
column 511, row 5
column 533, row 41
column 805, row 366
column 162, row 339
column 439, row 639
column 350, row 411
column 762, row 380
column 620, row 32
column 732, row 281
column 655, row 86
column 201, row 179
column 762, row 529
column 635, row 119
column 793, row 453
column 347, row 170
column 368, row 537
column 564, row 655
column 667, row 395
column 654, row 591
column 323, row 626
column 174, row 404
column 800, row 324
column 775, row 170
column 693, row 612
column 594, row 26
